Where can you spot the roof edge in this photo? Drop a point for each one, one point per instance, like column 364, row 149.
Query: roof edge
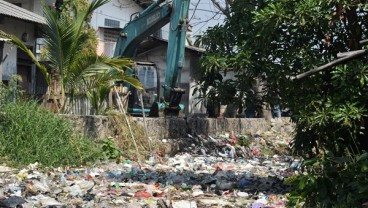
column 13, row 11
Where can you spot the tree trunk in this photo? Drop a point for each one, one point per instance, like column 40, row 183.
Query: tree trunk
column 259, row 88
column 355, row 32
column 52, row 97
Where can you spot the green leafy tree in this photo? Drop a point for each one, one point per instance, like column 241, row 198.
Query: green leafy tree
column 294, row 48
column 235, row 46
column 74, row 69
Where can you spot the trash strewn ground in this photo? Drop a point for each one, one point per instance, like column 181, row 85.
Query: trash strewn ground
column 223, row 171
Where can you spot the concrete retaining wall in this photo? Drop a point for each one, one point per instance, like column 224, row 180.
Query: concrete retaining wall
column 100, row 127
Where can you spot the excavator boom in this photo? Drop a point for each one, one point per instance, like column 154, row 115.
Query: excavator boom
column 143, row 25
column 175, row 55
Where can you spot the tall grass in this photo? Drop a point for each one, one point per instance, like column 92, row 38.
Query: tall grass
column 29, row 133
column 125, row 142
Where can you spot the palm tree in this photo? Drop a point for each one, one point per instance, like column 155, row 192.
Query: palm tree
column 72, row 68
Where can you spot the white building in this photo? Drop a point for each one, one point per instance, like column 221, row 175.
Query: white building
column 109, row 19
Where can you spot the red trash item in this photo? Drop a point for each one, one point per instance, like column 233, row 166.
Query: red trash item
column 217, row 170
column 256, row 152
column 233, row 138
column 89, row 177
column 142, row 194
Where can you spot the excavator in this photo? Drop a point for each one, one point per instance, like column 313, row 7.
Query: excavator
column 144, row 24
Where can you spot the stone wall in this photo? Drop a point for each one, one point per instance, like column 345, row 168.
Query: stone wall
column 99, row 127
column 102, row 127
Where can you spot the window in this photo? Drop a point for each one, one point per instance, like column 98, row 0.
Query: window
column 110, row 35
column 112, row 23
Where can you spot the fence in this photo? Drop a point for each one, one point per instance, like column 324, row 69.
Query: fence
column 78, row 105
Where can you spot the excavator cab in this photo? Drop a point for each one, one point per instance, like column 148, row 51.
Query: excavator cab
column 147, row 74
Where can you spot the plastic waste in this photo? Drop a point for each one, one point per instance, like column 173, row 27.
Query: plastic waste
column 184, row 204
column 242, row 183
column 258, row 205
column 242, row 194
column 12, row 201
column 224, row 185
column 142, row 194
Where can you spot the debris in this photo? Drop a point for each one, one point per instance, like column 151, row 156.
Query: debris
column 12, row 201
column 35, row 187
column 142, row 194
column 4, row 169
column 224, row 185
column 215, row 171
column 242, row 183
column 242, row 194
column 46, row 201
column 184, row 204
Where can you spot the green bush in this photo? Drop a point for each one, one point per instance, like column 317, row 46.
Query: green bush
column 331, row 135
column 29, row 133
column 331, row 182
column 110, row 150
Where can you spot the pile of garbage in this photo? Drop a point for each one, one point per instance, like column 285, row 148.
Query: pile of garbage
column 180, row 181
column 224, row 171
column 262, row 144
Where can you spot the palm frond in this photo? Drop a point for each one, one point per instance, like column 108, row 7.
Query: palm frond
column 134, row 82
column 59, row 37
column 76, row 70
column 119, row 62
column 113, row 73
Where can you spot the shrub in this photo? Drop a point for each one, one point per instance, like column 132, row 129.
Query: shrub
column 331, row 182
column 31, row 134
column 331, row 135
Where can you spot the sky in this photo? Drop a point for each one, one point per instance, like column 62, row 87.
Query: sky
column 203, row 14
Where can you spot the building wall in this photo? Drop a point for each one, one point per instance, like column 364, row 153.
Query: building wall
column 17, row 28
column 116, row 14
column 115, row 10
column 106, row 41
column 10, row 63
column 37, row 7
column 26, row 4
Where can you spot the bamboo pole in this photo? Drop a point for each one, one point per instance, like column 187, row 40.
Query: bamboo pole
column 122, row 110
column 145, row 123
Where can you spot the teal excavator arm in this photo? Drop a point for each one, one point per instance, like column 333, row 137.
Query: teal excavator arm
column 146, row 23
